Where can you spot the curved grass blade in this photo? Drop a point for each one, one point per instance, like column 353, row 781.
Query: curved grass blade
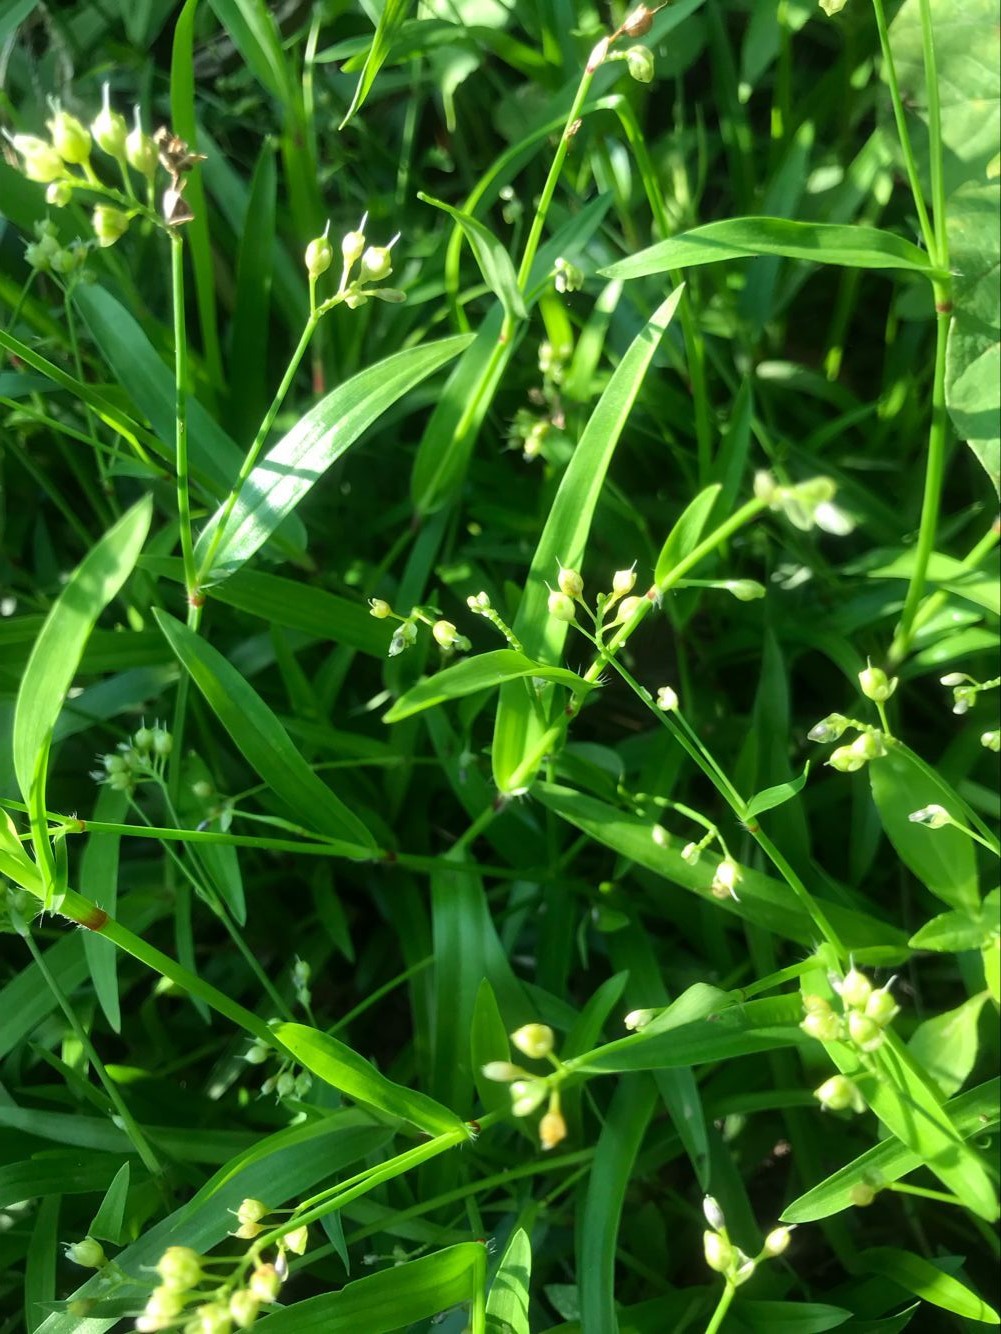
column 494, row 261
column 684, row 536
column 393, row 1300
column 338, row 1065
column 55, row 658
column 262, row 740
column 741, row 238
column 293, row 466
column 919, row 1276
column 99, row 882
column 507, row 1304
column 394, row 13
column 564, row 538
column 484, row 672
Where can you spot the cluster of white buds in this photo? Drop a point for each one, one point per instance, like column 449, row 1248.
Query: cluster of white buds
column 667, row 699
column 932, row 816
column 721, row 1255
column 866, row 1012
column 285, row 1082
column 725, row 880
column 528, row 1092
column 806, row 505
column 480, row 605
column 869, row 744
column 46, row 255
column 301, row 973
column 141, row 759
column 965, row 690
column 637, row 1020
column 222, row 1307
column 62, row 163
column 567, row 276
column 375, row 263
column 444, row 633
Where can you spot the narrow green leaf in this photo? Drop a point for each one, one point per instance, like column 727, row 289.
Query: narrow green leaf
column 942, row 859
column 338, row 1065
column 488, row 1041
column 392, row 1300
column 484, row 672
column 251, row 325
column 507, row 1304
column 262, row 740
column 604, row 1196
column 796, row 1317
column 109, row 1221
column 98, row 881
column 564, row 538
column 494, row 261
column 684, row 537
column 251, row 26
column 293, row 466
column 972, row 1113
column 56, row 656
column 394, row 14
column 738, row 238
column 917, row 1275
column 39, row 1289
column 770, row 797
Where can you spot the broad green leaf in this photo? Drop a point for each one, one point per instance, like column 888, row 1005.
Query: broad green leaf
column 973, row 1113
column 949, row 933
column 56, row 656
column 262, row 740
column 738, row 1030
column 109, row 1221
column 763, row 900
column 979, row 586
column 394, row 14
column 796, row 1317
column 392, row 1300
column 494, row 261
column 599, row 1220
column 991, row 956
column 739, row 238
column 293, row 466
column 507, row 1302
column 338, row 1065
column 973, row 354
column 946, row 1047
column 57, row 1172
column 684, row 537
column 518, row 727
column 917, row 1275
column 770, row 797
column 279, row 1168
column 942, row 859
column 486, row 671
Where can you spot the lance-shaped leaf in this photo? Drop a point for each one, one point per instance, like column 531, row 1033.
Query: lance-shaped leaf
column 485, row 671
column 494, row 261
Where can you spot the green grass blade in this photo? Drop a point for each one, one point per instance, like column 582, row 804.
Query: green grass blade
column 739, row 238
column 294, row 465
column 109, row 1221
column 598, row 1230
column 394, row 14
column 249, row 397
column 919, row 1276
column 262, row 740
column 564, row 538
column 336, row 1063
column 507, row 1304
column 687, row 532
column 252, row 28
column 494, row 261
column 99, row 883
column 486, row 671
column 390, row 1301
column 56, row 656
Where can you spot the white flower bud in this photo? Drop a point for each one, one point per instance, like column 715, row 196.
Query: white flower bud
column 624, row 581
column 866, row 1034
column 854, row 989
column 876, row 685
column 526, row 1095
column 109, row 128
column 376, row 264
column 777, row 1241
column 88, row 1254
column 319, row 256
column 297, row 1240
column 846, row 760
column 39, row 160
column 353, row 243
column 667, row 700
column 379, row 608
column 110, row 224
column 503, row 1072
column 70, row 138
column 991, row 740
column 881, row 1007
column 725, row 880
column 570, row 582
column 745, row 590
column 561, row 606
column 823, row 1027
column 252, row 1211
column 534, row 1040
column 265, row 1283
column 933, row 816
column 837, row 1094
column 718, row 1252
column 713, row 1213
column 830, row 728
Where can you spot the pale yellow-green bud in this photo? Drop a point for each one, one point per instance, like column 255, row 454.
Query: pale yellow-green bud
column 777, row 1241
column 526, row 1095
column 180, row 1268
column 846, row 760
column 881, row 1008
column 252, row 1211
column 39, row 160
column 855, row 989
column 627, row 609
column 861, row 1195
column 379, row 608
column 243, row 1307
column 58, row 194
column 533, row 1040
column 353, row 243
column 713, row 1213
column 110, row 225
column 865, row 1032
column 70, row 138
column 163, row 1306
column 870, row 745
column 570, row 582
column 109, row 128
column 745, row 590
column 296, row 1240
column 725, row 880
column 991, row 740
column 503, row 1072
column 552, row 1129
column 637, row 1020
column 667, row 700
column 830, row 728
column 624, row 581
column 837, row 1094
column 88, row 1253
column 823, row 1027
column 876, row 685
column 932, row 817
column 376, row 264
column 445, row 634
column 212, row 1318
column 265, row 1283
column 319, row 256
column 561, row 606
column 140, row 150
column 718, row 1252
column 640, row 63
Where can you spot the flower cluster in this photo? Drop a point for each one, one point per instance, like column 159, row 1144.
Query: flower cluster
column 374, row 264
column 567, row 598
column 142, row 759
column 965, row 690
column 46, row 255
column 806, row 505
column 285, row 1082
column 869, row 744
column 528, row 1091
column 444, row 633
column 725, row 1258
column 62, row 163
column 866, row 1012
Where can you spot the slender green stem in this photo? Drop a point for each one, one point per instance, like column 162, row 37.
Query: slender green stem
column 906, row 148
column 722, row 1306
column 129, row 1123
column 253, row 453
column 934, row 476
column 181, row 412
column 936, row 160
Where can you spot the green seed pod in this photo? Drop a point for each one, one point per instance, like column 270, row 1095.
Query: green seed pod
column 640, row 63
column 110, row 225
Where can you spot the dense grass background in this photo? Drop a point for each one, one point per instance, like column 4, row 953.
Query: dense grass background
column 471, row 913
